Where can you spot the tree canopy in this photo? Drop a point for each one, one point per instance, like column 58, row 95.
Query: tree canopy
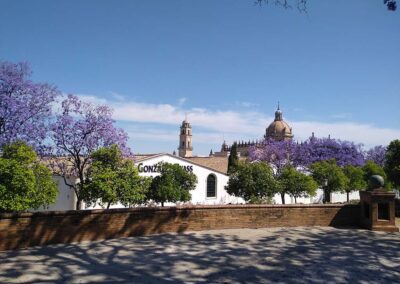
column 112, row 179
column 172, row 185
column 370, row 168
column 25, row 106
column 392, row 163
column 322, row 149
column 80, row 129
column 297, row 184
column 254, row 182
column 233, row 159
column 25, row 183
column 356, row 181
column 376, row 154
column 287, row 152
column 329, row 176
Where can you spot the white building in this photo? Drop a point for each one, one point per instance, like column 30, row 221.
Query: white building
column 211, row 173
column 210, row 188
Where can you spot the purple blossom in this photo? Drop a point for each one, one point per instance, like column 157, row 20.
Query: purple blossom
column 25, row 106
column 322, row 149
column 281, row 153
column 80, row 129
column 377, row 155
column 276, row 153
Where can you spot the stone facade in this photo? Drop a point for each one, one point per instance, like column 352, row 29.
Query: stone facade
column 185, row 147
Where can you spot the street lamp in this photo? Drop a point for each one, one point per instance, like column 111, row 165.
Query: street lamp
column 324, row 199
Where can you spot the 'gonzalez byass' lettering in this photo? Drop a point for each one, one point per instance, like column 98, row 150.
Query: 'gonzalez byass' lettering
column 157, row 168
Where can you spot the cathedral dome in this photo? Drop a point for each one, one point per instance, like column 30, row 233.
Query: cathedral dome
column 279, row 129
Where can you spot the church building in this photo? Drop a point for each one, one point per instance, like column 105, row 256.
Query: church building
column 278, row 130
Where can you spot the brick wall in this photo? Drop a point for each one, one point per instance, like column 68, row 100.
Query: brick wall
column 19, row 230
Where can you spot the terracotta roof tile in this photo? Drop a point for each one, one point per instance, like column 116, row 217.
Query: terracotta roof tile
column 217, row 163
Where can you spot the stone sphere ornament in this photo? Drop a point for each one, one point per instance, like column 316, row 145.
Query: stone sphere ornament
column 375, row 181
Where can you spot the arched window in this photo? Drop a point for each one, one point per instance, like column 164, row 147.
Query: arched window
column 211, row 186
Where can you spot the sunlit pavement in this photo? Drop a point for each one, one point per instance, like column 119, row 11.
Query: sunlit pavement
column 300, row 255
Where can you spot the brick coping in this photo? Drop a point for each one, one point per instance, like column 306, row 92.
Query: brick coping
column 167, row 208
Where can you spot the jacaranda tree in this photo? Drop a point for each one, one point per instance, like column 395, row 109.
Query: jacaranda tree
column 278, row 154
column 78, row 130
column 323, row 149
column 377, row 155
column 25, row 106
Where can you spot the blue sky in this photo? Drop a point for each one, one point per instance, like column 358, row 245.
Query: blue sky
column 335, row 70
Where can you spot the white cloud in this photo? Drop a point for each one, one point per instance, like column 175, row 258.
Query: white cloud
column 367, row 134
column 247, row 104
column 341, row 115
column 219, row 120
column 210, row 126
column 181, row 101
column 117, row 96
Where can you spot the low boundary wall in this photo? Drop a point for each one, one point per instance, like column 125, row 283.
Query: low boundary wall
column 19, row 230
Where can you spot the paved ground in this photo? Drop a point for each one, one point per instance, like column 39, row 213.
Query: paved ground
column 301, row 255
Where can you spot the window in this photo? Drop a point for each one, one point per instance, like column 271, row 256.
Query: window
column 211, row 182
column 183, row 143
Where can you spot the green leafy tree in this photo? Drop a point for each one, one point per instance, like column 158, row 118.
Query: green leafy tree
column 330, row 177
column 392, row 164
column 370, row 168
column 253, row 182
column 233, row 159
column 356, row 179
column 25, row 183
column 112, row 179
column 297, row 184
column 172, row 185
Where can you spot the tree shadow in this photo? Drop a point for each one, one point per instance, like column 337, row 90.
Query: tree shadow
column 21, row 230
column 301, row 255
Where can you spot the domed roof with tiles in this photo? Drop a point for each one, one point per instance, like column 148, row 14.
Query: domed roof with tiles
column 279, row 129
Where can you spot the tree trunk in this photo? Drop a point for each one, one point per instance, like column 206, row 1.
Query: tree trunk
column 347, row 196
column 162, row 203
column 108, row 205
column 327, row 196
column 78, row 204
column 283, row 197
column 295, row 200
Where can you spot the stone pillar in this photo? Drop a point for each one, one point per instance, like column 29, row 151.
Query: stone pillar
column 378, row 210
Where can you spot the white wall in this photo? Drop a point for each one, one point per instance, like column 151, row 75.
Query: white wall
column 66, row 198
column 335, row 197
column 199, row 193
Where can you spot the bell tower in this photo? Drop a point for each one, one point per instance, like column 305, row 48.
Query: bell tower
column 185, row 140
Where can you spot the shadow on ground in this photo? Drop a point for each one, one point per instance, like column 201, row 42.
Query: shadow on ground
column 300, row 255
